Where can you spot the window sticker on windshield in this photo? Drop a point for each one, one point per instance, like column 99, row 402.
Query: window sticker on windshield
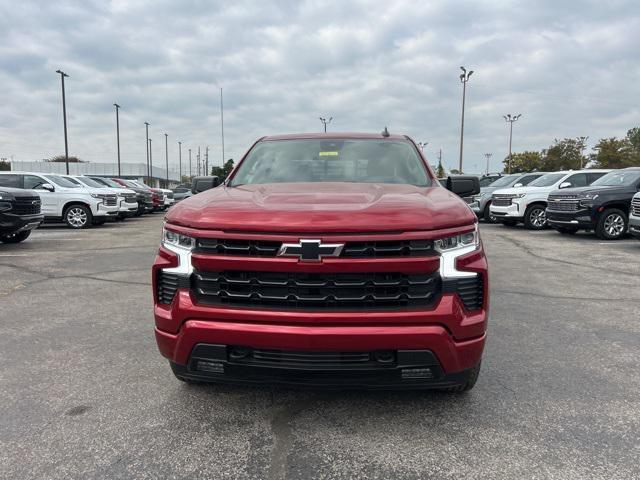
column 328, row 154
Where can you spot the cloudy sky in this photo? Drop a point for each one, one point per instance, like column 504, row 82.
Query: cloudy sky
column 570, row 68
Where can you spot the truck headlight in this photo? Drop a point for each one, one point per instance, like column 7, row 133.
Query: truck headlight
column 519, row 195
column 179, row 240
column 450, row 248
column 99, row 195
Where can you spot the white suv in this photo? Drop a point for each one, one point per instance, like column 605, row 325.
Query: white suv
column 64, row 200
column 127, row 203
column 528, row 204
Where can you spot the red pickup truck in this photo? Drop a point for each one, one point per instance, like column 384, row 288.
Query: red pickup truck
column 326, row 260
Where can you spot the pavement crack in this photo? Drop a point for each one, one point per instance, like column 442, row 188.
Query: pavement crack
column 528, row 251
column 562, row 297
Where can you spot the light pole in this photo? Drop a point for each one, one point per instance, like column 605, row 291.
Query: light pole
column 118, row 134
column 166, row 156
column 190, row 171
column 583, row 146
column 180, row 161
column 222, row 124
column 510, row 118
column 206, row 161
column 198, row 161
column 422, row 145
column 148, row 161
column 64, row 119
column 488, row 157
column 464, row 78
column 325, row 122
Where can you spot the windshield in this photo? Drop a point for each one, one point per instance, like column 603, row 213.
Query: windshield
column 332, row 160
column 547, row 180
column 504, row 181
column 620, row 178
column 89, row 182
column 108, row 182
column 63, row 182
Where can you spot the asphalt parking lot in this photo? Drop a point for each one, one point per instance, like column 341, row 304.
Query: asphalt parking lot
column 85, row 394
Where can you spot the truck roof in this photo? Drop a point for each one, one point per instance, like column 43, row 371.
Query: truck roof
column 334, row 135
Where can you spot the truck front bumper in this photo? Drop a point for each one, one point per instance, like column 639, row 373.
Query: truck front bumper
column 578, row 220
column 10, row 223
column 511, row 212
column 634, row 225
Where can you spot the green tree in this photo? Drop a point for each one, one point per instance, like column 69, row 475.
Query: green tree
column 454, row 171
column 524, row 162
column 616, row 153
column 564, row 154
column 60, row 158
column 223, row 172
column 633, row 136
column 440, row 173
column 4, row 165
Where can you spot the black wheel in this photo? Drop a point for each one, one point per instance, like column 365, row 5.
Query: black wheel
column 535, row 217
column 488, row 218
column 612, row 224
column 15, row 237
column 567, row 230
column 509, row 223
column 77, row 216
column 474, row 373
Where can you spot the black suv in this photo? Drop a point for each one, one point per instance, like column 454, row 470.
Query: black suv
column 603, row 206
column 19, row 214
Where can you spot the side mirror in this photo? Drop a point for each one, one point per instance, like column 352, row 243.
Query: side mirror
column 200, row 184
column 464, row 185
column 48, row 187
column 565, row 185
column 517, row 185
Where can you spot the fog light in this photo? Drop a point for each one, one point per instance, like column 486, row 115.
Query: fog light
column 211, row 367
column 238, row 353
column 417, row 373
column 384, row 356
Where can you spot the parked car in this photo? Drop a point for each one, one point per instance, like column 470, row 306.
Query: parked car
column 181, row 192
column 528, row 204
column 63, row 200
column 602, row 206
column 347, row 265
column 127, row 204
column 480, row 203
column 168, row 197
column 634, row 216
column 157, row 197
column 488, row 179
column 143, row 195
column 19, row 214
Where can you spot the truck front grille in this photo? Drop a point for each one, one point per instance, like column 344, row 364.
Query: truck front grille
column 315, row 291
column 111, row 200
column 501, row 200
column 26, row 206
column 265, row 248
column 561, row 204
column 635, row 207
column 130, row 197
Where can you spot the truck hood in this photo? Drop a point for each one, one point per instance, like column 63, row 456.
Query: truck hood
column 525, row 189
column 322, row 208
column 593, row 189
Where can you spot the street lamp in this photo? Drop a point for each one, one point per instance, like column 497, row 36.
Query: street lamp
column 422, row 145
column 148, row 161
column 180, row 161
column 190, row 170
column 464, row 78
column 488, row 157
column 510, row 118
column 583, row 146
column 222, row 124
column 118, row 133
column 64, row 119
column 325, row 122
column 166, row 156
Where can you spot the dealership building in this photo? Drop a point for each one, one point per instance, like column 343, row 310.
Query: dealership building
column 131, row 171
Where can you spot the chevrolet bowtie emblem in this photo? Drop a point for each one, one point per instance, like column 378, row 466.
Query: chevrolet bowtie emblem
column 310, row 250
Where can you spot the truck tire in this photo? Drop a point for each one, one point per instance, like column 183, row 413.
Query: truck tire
column 77, row 216
column 474, row 373
column 15, row 237
column 535, row 217
column 488, row 218
column 612, row 224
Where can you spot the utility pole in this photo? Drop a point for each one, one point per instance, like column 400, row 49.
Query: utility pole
column 118, row 133
column 180, row 161
column 166, row 156
column 206, row 161
column 222, row 124
column 150, row 162
column 488, row 156
column 64, row 119
column 440, row 161
column 198, row 159
column 583, row 146
column 422, row 145
column 510, row 118
column 325, row 122
column 146, row 124
column 190, row 171
column 464, row 78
